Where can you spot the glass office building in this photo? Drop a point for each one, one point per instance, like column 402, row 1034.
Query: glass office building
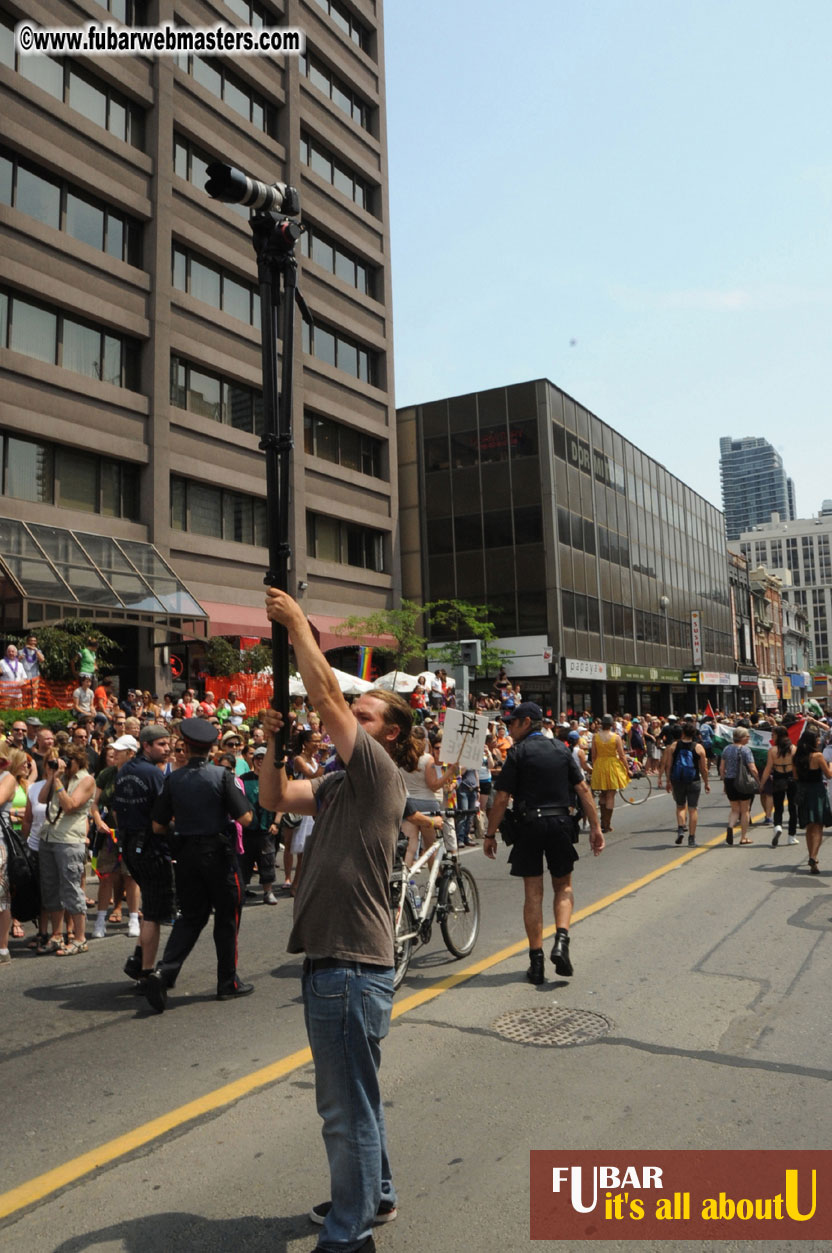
column 754, row 484
column 575, row 539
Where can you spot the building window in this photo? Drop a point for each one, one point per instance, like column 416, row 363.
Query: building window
column 215, row 286
column 335, row 171
column 54, row 474
column 216, row 397
column 341, row 444
column 337, row 260
column 191, row 163
column 52, row 336
column 338, row 350
column 347, row 22
column 327, row 81
column 89, row 96
column 330, row 539
column 824, row 560
column 231, row 89
column 53, row 201
column 808, row 559
column 252, row 13
column 130, row 12
column 217, row 512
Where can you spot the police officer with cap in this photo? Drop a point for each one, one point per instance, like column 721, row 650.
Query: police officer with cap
column 146, row 856
column 540, row 774
column 200, row 800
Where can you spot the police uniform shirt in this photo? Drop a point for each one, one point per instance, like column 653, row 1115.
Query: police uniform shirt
column 540, row 772
column 138, row 785
column 200, row 798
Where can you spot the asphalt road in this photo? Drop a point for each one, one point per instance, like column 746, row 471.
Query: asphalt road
column 710, row 966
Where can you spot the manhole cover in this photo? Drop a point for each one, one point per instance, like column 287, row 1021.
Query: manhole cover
column 552, row 1025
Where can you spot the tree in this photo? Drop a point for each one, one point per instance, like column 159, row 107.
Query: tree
column 221, row 658
column 401, row 623
column 61, row 643
column 461, row 620
column 255, row 659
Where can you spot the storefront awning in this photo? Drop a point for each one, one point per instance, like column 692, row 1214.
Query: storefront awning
column 251, row 620
column 50, row 573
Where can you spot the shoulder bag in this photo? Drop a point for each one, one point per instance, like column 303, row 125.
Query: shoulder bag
column 744, row 782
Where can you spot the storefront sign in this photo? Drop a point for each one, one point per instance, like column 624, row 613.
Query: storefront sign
column 585, row 669
column 696, row 636
column 690, row 676
column 718, row 678
column 643, row 674
column 799, row 679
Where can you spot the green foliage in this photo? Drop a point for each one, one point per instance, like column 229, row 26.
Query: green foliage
column 54, row 718
column 255, row 659
column 60, row 644
column 401, row 623
column 465, row 621
column 221, row 658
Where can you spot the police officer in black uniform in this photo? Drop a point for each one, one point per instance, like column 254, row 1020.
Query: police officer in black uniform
column 201, row 800
column 540, row 774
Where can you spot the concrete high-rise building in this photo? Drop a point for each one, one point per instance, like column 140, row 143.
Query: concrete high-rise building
column 131, row 399
column 754, row 484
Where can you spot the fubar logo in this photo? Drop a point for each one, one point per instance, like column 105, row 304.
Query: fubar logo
column 682, row 1195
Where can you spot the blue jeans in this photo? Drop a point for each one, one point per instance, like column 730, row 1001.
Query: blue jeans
column 466, row 804
column 347, row 1013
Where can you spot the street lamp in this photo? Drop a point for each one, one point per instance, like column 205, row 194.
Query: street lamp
column 664, row 602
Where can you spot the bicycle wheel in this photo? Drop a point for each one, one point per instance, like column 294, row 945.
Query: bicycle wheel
column 403, row 938
column 637, row 790
column 460, row 917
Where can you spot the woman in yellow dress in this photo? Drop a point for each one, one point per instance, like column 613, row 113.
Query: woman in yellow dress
column 609, row 768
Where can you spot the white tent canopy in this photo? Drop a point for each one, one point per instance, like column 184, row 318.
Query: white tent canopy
column 348, row 683
column 403, row 682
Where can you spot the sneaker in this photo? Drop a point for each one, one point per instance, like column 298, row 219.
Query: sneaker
column 680, row 835
column 386, row 1212
column 269, row 898
column 691, row 841
column 100, row 929
column 729, row 835
column 793, row 839
column 778, row 831
column 133, row 929
column 767, row 821
column 5, row 958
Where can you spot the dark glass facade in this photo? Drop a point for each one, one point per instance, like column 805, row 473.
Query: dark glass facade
column 537, row 508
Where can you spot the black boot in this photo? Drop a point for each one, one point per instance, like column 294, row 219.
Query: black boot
column 133, row 966
column 560, row 952
column 536, row 972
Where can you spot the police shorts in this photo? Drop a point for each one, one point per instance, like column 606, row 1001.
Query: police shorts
column 543, row 837
column 153, row 872
column 687, row 793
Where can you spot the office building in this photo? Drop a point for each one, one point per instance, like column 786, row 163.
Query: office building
column 754, row 484
column 801, row 552
column 131, row 408
column 577, row 541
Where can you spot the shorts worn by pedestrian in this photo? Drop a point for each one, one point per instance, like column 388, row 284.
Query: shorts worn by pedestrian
column 545, row 782
column 342, row 923
column 200, row 800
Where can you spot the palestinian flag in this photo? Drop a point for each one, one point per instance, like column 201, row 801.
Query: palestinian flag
column 796, row 730
column 709, row 712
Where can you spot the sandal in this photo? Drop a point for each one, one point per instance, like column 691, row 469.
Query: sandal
column 746, row 841
column 115, row 916
column 35, row 943
column 814, row 868
column 18, row 932
column 90, row 901
column 69, row 950
column 49, row 946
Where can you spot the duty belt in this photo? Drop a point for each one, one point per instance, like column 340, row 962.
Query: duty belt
column 546, row 811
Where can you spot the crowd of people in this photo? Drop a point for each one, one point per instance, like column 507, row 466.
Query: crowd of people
column 82, row 761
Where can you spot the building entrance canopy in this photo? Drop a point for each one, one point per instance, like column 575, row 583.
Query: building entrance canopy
column 50, row 573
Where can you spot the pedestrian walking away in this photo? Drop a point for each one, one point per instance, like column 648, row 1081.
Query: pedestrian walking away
column 542, row 776
column 342, row 923
column 201, row 800
column 610, row 772
column 779, row 772
column 686, row 770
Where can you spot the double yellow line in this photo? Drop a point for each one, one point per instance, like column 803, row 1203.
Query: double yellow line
column 51, row 1181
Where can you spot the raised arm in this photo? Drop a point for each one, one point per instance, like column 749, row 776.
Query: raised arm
column 316, row 672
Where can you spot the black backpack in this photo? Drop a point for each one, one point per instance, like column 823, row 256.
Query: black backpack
column 24, row 882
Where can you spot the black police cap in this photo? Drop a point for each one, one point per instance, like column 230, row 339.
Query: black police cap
column 198, row 731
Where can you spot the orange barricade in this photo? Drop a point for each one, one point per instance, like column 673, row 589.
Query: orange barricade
column 36, row 694
column 255, row 691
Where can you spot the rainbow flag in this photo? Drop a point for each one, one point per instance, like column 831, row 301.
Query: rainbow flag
column 365, row 663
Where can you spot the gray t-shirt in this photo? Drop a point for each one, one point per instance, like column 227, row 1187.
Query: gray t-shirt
column 342, row 908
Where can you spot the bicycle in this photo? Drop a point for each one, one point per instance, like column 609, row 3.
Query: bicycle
column 639, row 786
column 450, row 898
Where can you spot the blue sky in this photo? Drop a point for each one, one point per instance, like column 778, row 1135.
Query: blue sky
column 651, row 179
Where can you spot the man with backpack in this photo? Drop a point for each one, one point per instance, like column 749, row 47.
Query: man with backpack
column 686, row 769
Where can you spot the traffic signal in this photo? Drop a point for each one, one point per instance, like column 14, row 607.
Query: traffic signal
column 470, row 652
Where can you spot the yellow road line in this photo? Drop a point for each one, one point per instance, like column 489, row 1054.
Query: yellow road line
column 41, row 1186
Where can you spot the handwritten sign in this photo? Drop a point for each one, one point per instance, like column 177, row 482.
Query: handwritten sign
column 463, row 738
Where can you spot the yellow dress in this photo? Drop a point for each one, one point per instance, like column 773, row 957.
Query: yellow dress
column 608, row 772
